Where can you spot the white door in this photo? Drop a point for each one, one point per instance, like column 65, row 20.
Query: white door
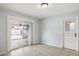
column 71, row 33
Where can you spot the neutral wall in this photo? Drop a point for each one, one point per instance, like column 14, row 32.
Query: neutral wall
column 52, row 29
column 3, row 32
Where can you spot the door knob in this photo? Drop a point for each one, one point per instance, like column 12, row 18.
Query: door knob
column 75, row 35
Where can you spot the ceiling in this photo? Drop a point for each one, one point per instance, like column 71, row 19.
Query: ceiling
column 34, row 9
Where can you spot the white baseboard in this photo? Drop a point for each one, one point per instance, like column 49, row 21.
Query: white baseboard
column 46, row 43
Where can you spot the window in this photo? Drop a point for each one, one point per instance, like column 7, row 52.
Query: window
column 16, row 31
column 19, row 31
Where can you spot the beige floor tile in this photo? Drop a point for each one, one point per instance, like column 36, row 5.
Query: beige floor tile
column 42, row 50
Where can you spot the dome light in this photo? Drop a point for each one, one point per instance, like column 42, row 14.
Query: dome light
column 44, row 5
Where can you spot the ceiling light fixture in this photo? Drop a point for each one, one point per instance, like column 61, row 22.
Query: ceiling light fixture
column 44, row 5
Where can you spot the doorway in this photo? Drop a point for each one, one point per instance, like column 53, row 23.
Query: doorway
column 71, row 33
column 19, row 33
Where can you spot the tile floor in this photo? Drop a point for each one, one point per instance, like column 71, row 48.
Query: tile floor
column 42, row 50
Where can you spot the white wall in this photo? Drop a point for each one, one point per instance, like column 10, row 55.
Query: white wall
column 52, row 29
column 3, row 32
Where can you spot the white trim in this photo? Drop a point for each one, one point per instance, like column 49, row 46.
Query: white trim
column 47, row 43
column 78, row 32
